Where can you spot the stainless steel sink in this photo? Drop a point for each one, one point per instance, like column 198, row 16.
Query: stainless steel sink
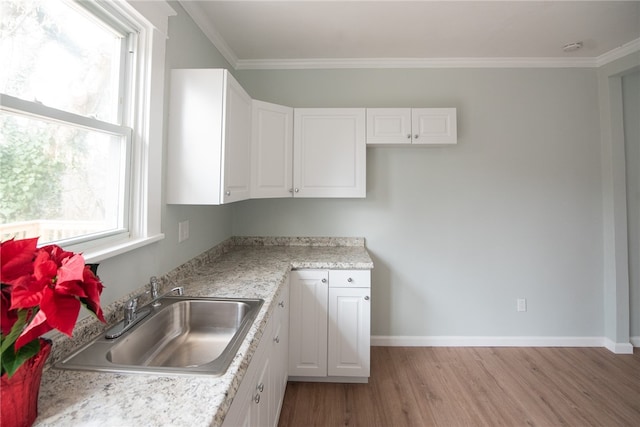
column 184, row 335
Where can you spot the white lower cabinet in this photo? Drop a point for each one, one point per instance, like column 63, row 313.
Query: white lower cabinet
column 329, row 337
column 308, row 323
column 349, row 332
column 260, row 395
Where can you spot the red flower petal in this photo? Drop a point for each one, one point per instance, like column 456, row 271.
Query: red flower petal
column 74, row 289
column 27, row 293
column 37, row 327
column 72, row 268
column 15, row 259
column 56, row 253
column 61, row 310
column 44, row 267
column 8, row 317
column 93, row 288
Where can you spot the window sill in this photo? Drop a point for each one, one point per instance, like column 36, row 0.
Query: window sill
column 100, row 253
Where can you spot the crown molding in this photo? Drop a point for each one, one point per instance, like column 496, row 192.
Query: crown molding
column 289, row 64
column 195, row 11
column 619, row 52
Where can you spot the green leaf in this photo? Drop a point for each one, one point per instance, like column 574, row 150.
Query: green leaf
column 11, row 360
column 16, row 330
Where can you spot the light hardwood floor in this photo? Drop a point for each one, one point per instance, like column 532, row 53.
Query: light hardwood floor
column 443, row 386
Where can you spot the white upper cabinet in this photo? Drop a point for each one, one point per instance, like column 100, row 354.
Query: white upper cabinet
column 271, row 150
column 434, row 126
column 388, row 125
column 329, row 150
column 417, row 126
column 208, row 158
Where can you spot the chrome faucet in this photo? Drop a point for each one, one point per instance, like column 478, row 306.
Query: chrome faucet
column 130, row 311
column 154, row 284
column 131, row 317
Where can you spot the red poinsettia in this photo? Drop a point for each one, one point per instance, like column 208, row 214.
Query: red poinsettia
column 42, row 289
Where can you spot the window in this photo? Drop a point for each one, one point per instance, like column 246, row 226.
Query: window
column 76, row 154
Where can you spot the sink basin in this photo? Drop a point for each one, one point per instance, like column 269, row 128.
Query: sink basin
column 184, row 335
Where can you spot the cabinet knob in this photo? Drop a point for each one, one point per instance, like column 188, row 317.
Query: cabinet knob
column 260, row 387
column 291, row 190
column 281, row 304
column 349, row 280
column 415, row 136
column 296, row 190
column 408, row 136
column 277, row 340
column 324, row 280
column 228, row 193
column 366, row 298
column 256, row 398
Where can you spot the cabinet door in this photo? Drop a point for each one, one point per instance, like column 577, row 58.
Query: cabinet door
column 329, row 150
column 253, row 402
column 237, row 154
column 280, row 352
column 388, row 126
column 194, row 155
column 434, row 126
column 349, row 332
column 263, row 396
column 308, row 323
column 271, row 150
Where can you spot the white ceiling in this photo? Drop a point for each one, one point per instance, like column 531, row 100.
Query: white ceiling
column 423, row 33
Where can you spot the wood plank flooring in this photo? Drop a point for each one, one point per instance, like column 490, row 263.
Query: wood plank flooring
column 453, row 386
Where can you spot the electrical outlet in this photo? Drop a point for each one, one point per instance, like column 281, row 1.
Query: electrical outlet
column 521, row 304
column 183, row 231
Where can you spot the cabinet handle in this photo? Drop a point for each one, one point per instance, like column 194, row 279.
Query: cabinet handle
column 349, row 280
column 228, row 193
column 415, row 136
column 261, row 387
column 366, row 298
column 408, row 136
column 277, row 340
column 324, row 280
column 281, row 304
column 256, row 398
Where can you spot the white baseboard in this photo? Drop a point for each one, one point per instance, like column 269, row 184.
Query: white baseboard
column 635, row 341
column 465, row 341
column 618, row 347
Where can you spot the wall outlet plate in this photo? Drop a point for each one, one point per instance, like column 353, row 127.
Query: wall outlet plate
column 183, row 231
column 521, row 304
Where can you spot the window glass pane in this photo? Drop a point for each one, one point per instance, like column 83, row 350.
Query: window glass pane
column 59, row 181
column 53, row 52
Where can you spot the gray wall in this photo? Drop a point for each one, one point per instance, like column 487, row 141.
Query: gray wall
column 458, row 233
column 631, row 108
column 208, row 225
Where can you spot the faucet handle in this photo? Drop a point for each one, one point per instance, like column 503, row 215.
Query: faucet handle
column 154, row 284
column 130, row 309
column 132, row 304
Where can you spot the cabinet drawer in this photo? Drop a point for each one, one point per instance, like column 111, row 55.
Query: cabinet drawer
column 350, row 278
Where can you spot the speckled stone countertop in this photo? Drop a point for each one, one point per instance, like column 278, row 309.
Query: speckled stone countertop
column 247, row 267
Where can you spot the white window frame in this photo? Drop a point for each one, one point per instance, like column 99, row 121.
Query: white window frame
column 150, row 21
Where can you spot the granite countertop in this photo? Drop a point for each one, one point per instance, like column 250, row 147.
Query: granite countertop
column 238, row 268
